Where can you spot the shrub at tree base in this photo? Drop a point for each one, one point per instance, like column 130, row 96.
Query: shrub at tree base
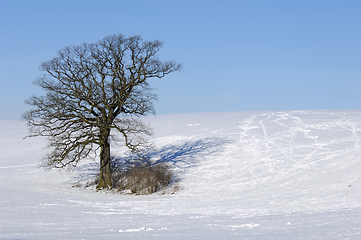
column 143, row 178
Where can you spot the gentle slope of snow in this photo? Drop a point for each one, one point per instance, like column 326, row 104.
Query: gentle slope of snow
column 247, row 175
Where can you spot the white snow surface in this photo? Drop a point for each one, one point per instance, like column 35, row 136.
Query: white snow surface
column 244, row 175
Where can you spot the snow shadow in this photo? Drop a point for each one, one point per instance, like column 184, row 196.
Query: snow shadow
column 86, row 171
column 182, row 156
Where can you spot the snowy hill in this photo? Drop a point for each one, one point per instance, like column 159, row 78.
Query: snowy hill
column 246, row 175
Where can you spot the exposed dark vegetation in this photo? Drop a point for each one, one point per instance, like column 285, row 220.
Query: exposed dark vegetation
column 142, row 177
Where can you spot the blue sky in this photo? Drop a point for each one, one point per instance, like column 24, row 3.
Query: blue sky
column 252, row 55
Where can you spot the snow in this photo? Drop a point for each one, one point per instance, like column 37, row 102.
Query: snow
column 244, row 175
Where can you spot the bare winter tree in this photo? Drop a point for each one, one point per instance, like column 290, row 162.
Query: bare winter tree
column 91, row 90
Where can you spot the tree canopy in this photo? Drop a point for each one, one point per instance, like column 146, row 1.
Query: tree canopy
column 91, row 90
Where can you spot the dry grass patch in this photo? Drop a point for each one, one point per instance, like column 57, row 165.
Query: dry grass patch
column 143, row 178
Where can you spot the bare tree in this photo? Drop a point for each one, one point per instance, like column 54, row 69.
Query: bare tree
column 92, row 90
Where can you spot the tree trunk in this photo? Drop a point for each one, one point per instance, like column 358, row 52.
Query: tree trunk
column 105, row 171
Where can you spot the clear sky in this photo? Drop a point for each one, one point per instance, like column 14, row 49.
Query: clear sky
column 246, row 55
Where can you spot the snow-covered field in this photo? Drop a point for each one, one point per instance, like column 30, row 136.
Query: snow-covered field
column 246, row 175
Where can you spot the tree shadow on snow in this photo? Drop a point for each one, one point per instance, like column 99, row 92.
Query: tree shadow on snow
column 181, row 156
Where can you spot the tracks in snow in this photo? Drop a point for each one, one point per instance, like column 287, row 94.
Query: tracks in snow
column 303, row 138
column 286, row 160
